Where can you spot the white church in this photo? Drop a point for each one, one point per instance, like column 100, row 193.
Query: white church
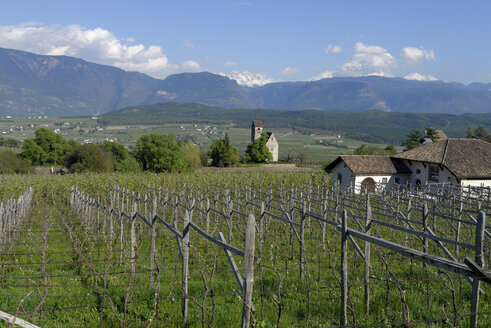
column 272, row 144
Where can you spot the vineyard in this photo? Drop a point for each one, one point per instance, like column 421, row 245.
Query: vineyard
column 219, row 249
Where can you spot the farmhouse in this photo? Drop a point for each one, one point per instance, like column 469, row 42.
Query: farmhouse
column 272, row 144
column 451, row 161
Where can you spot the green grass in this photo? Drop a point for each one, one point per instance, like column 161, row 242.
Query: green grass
column 78, row 295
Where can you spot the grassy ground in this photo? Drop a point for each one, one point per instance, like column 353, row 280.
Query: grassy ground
column 78, row 266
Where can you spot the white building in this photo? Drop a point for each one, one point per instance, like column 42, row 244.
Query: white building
column 455, row 161
column 272, row 144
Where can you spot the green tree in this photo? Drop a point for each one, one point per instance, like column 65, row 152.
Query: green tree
column 72, row 144
column 117, row 152
column 257, row 151
column 88, row 157
column 160, row 153
column 11, row 142
column 223, row 153
column 469, row 133
column 11, row 163
column 53, row 145
column 480, row 132
column 128, row 165
column 432, row 134
column 193, row 155
column 32, row 152
column 390, row 150
column 412, row 139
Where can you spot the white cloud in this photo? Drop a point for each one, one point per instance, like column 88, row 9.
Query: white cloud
column 375, row 60
column 323, row 75
column 229, row 64
column 188, row 44
column 96, row 45
column 247, row 78
column 330, row 49
column 288, row 70
column 368, row 59
column 417, row 55
column 420, row 77
column 191, row 66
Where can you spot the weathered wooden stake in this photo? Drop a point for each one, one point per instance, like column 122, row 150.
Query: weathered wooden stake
column 250, row 243
column 344, row 269
column 368, row 223
column 302, row 241
column 153, row 233
column 133, row 241
column 480, row 227
column 185, row 267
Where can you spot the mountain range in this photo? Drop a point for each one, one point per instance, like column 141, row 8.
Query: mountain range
column 32, row 84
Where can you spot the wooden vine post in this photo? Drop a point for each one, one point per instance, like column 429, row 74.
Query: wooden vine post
column 153, row 234
column 250, row 243
column 302, row 241
column 133, row 241
column 185, row 267
column 344, row 269
column 368, row 224
column 480, row 228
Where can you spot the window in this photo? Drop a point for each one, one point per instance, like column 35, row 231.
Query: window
column 397, row 180
column 384, row 180
column 433, row 173
column 418, row 171
column 340, row 178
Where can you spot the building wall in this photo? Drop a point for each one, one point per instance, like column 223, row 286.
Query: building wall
column 347, row 177
column 476, row 183
column 273, row 147
column 421, row 172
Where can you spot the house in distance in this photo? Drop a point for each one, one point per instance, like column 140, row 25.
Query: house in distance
column 272, row 144
column 465, row 162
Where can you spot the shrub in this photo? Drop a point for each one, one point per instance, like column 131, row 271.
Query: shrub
column 88, row 157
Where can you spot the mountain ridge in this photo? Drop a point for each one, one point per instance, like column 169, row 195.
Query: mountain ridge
column 32, row 84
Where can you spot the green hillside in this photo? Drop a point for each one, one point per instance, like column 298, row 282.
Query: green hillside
column 369, row 126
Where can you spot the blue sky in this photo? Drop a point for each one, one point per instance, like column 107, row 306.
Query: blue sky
column 262, row 41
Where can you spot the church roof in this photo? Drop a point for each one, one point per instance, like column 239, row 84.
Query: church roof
column 257, row 124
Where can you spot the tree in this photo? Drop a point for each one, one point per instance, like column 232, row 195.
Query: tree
column 223, row 153
column 11, row 142
column 193, row 155
column 88, row 157
column 32, row 152
column 412, row 139
column 480, row 132
column 117, row 152
column 257, row 151
column 160, row 153
column 11, row 163
column 128, row 165
column 432, row 134
column 53, row 145
column 390, row 150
